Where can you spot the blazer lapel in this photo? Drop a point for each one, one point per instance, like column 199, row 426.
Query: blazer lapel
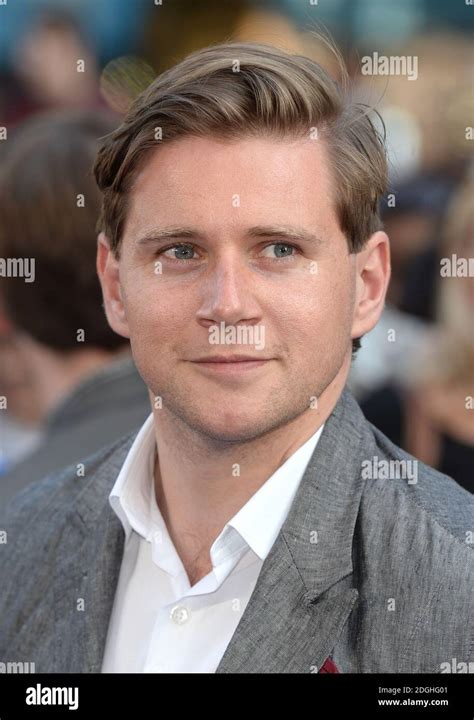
column 285, row 628
column 305, row 590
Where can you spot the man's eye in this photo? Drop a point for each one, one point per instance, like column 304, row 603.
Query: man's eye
column 276, row 251
column 181, row 252
column 282, row 250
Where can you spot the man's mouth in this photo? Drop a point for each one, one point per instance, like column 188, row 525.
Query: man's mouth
column 230, row 364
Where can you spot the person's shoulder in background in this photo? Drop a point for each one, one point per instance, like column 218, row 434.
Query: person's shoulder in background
column 105, row 406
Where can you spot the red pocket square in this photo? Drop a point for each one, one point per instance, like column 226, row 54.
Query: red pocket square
column 328, row 667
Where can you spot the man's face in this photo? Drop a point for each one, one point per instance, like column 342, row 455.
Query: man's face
column 237, row 270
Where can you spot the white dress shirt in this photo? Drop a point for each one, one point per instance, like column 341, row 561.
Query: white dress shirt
column 159, row 623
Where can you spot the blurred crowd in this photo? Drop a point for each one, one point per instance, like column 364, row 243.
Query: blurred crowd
column 67, row 72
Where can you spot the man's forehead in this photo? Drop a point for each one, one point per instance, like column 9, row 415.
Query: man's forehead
column 177, row 191
column 208, row 158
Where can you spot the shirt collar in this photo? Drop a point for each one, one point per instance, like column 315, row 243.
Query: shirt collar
column 130, row 497
column 257, row 523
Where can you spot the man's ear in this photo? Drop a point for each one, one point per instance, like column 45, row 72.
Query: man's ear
column 372, row 278
column 109, row 276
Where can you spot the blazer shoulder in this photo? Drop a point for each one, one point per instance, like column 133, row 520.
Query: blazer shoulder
column 413, row 547
column 411, row 491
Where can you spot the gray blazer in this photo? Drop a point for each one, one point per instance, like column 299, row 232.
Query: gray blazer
column 385, row 584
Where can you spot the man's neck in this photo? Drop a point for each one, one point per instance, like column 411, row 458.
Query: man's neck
column 199, row 489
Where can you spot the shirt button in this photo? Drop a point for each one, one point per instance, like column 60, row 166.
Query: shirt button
column 180, row 615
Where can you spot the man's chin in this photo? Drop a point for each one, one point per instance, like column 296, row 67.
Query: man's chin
column 226, row 434
column 233, row 429
column 226, row 418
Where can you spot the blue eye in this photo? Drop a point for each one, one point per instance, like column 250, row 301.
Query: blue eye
column 179, row 248
column 282, row 250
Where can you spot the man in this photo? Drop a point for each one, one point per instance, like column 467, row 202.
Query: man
column 61, row 366
column 257, row 522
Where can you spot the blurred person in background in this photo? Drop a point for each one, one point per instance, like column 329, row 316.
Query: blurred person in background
column 411, row 213
column 440, row 410
column 428, row 155
column 389, row 352
column 63, row 367
column 428, row 411
column 19, row 434
column 413, row 225
column 53, row 66
column 56, row 64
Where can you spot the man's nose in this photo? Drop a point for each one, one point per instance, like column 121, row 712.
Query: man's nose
column 227, row 294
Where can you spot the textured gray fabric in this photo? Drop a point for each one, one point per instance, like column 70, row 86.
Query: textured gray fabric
column 387, row 587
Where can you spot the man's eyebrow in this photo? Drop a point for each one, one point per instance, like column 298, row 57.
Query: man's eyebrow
column 284, row 232
column 170, row 233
